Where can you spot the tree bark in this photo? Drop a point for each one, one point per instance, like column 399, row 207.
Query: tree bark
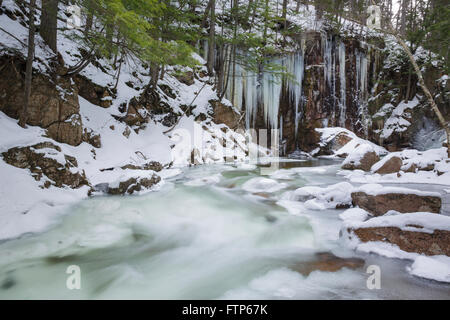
column 29, row 66
column 284, row 12
column 212, row 31
column 425, row 89
column 49, row 18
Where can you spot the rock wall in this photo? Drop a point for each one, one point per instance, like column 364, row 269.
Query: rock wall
column 53, row 104
column 338, row 82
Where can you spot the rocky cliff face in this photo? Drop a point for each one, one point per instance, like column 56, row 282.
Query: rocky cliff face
column 53, row 104
column 339, row 81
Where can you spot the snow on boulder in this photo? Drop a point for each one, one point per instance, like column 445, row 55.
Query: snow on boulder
column 354, row 214
column 413, row 160
column 336, row 196
column 341, row 142
column 132, row 185
column 378, row 199
column 362, row 157
column 419, row 232
column 392, row 164
column 434, row 268
column 262, row 185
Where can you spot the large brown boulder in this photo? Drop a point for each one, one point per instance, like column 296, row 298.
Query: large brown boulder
column 436, row 243
column 401, row 202
column 362, row 158
column 41, row 165
column 392, row 165
column 53, row 103
column 225, row 114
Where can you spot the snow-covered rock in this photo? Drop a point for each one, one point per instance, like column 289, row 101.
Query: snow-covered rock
column 340, row 142
column 378, row 200
column 317, row 198
column 362, row 157
column 418, row 232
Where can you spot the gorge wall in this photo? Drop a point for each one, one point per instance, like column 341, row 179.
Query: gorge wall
column 337, row 81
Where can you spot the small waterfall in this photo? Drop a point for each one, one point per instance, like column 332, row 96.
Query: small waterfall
column 343, row 105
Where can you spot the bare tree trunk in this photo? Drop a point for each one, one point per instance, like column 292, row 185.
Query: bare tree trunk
column 212, row 31
column 23, row 117
column 425, row 89
column 154, row 73
column 48, row 28
column 284, row 12
column 207, row 11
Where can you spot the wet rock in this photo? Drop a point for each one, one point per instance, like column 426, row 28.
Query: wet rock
column 403, row 203
column 134, row 185
column 392, row 165
column 40, row 165
column 436, row 243
column 328, row 262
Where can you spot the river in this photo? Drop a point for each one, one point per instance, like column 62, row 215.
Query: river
column 202, row 236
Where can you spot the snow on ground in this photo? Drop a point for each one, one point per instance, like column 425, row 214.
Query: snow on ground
column 24, row 207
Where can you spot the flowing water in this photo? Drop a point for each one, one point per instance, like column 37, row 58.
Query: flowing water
column 202, row 236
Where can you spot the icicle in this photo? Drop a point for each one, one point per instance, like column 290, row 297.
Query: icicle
column 343, row 104
column 271, row 97
column 328, row 63
column 251, row 99
column 295, row 66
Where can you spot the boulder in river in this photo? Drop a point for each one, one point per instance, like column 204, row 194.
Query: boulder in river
column 131, row 185
column 419, row 232
column 328, row 262
column 362, row 158
column 379, row 204
column 392, row 165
